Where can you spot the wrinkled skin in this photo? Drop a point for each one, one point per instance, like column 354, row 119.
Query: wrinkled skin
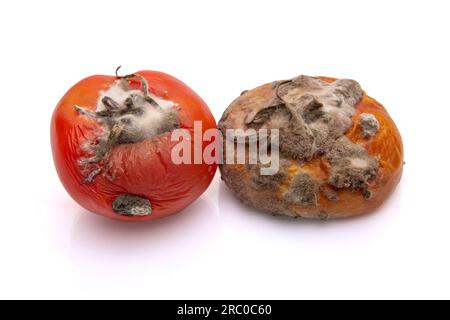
column 386, row 146
column 144, row 168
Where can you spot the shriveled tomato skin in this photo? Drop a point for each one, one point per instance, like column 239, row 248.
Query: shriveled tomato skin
column 145, row 168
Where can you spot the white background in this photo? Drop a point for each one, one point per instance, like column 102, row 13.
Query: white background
column 217, row 248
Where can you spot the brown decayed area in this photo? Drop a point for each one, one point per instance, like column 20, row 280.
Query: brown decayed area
column 330, row 202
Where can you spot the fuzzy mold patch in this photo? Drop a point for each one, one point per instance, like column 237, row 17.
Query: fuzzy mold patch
column 303, row 190
column 369, row 124
column 126, row 115
column 351, row 165
column 313, row 117
column 134, row 206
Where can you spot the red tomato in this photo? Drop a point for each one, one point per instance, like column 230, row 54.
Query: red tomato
column 113, row 154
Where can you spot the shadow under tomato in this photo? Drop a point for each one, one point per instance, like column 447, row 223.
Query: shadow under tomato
column 102, row 246
column 239, row 217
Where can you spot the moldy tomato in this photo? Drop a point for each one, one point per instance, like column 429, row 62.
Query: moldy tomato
column 111, row 143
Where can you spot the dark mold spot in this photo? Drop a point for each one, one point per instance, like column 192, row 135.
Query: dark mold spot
column 351, row 165
column 267, row 182
column 330, row 194
column 271, row 182
column 369, row 124
column 323, row 215
column 296, row 144
column 367, row 194
column 133, row 206
column 303, row 190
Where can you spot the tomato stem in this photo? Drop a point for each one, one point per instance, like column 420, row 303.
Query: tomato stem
column 144, row 85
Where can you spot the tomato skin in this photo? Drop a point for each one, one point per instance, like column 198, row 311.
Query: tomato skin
column 144, row 168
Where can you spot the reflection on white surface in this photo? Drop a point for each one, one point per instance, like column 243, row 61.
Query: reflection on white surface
column 238, row 216
column 209, row 250
column 106, row 248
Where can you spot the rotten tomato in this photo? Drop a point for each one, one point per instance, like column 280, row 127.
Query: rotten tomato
column 111, row 143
